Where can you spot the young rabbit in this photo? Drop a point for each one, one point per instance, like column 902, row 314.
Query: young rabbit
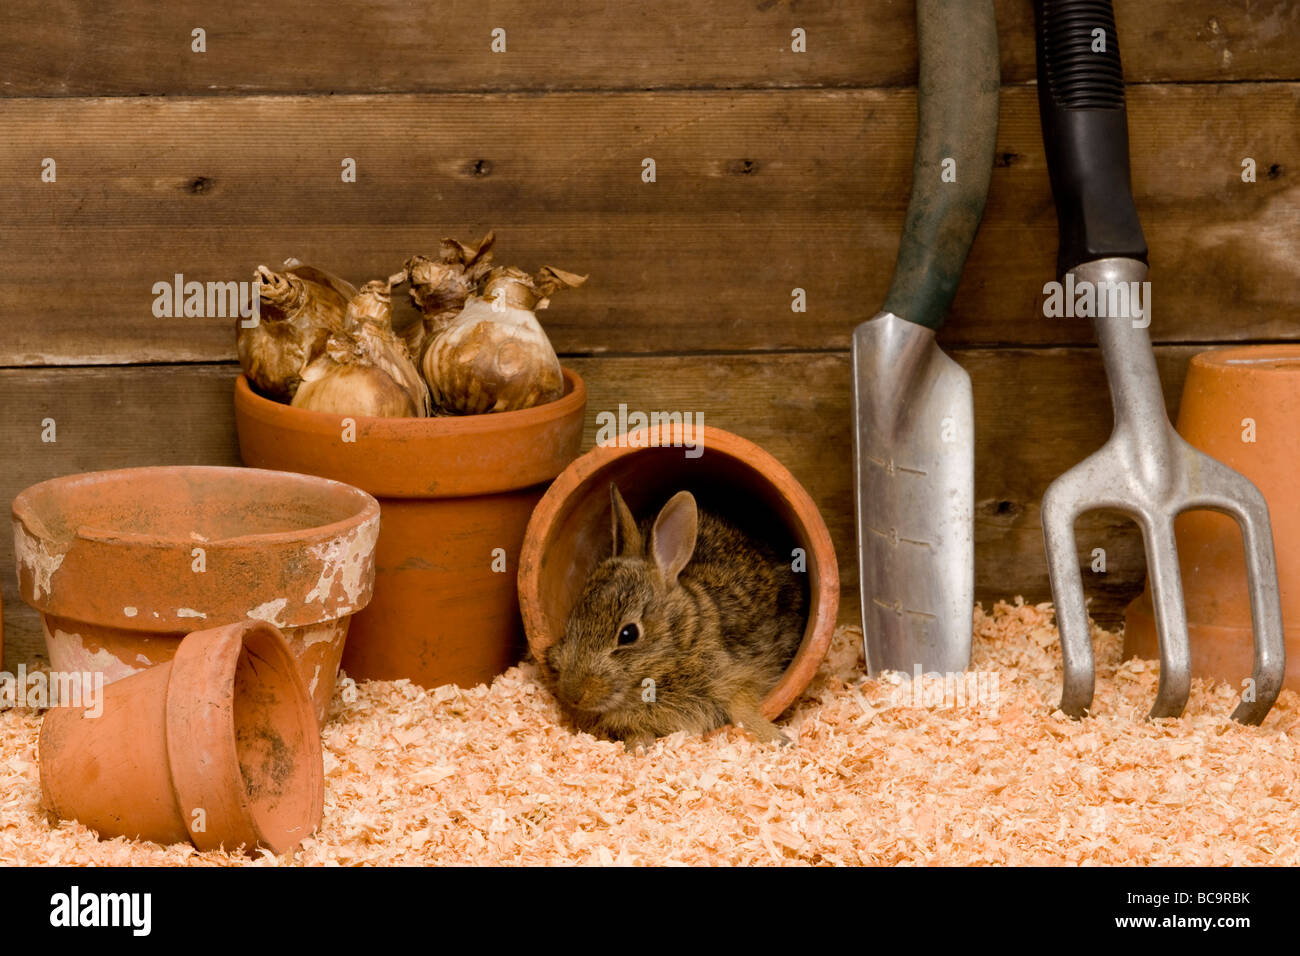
column 707, row 614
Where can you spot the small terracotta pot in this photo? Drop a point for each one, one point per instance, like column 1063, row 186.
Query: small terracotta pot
column 570, row 531
column 456, row 494
column 1224, row 388
column 123, row 564
column 219, row 746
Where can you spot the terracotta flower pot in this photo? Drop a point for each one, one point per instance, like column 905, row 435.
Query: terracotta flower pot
column 456, row 494
column 570, row 531
column 218, row 746
column 1232, row 395
column 123, row 564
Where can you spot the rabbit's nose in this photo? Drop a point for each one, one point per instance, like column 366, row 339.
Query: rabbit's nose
column 586, row 693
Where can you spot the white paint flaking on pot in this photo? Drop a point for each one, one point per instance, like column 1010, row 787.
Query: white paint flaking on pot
column 272, row 612
column 316, row 634
column 130, row 611
column 189, row 612
column 345, row 562
column 315, row 678
column 69, row 655
column 141, row 659
column 34, row 554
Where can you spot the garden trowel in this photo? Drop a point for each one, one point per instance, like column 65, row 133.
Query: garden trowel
column 913, row 424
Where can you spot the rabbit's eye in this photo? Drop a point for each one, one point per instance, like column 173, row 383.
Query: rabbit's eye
column 629, row 634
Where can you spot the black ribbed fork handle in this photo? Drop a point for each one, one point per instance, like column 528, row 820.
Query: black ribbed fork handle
column 1085, row 132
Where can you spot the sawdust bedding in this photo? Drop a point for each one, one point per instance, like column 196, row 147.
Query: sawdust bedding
column 880, row 773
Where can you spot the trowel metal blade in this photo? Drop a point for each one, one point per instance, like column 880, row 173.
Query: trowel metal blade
column 913, row 459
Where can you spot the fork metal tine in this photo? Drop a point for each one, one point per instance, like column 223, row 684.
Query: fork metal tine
column 1251, row 513
column 1149, row 472
column 1166, row 582
column 1059, row 513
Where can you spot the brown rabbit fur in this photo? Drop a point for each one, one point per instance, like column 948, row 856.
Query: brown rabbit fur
column 708, row 614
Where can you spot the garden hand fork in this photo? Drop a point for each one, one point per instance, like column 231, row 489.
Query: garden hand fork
column 1145, row 470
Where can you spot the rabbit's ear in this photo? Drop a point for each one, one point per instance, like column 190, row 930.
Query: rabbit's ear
column 626, row 535
column 672, row 542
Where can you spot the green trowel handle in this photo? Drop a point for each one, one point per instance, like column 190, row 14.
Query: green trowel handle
column 957, row 125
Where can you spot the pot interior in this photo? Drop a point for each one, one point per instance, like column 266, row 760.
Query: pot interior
column 273, row 721
column 186, row 504
column 726, row 485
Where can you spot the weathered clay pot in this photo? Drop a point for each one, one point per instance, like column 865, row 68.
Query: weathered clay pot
column 570, row 530
column 218, row 746
column 1224, row 388
column 456, row 494
column 123, row 564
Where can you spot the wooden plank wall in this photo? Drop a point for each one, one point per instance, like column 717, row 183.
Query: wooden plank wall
column 775, row 170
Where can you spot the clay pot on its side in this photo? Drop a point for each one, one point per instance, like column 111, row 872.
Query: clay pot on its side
column 123, row 564
column 218, row 746
column 1224, row 389
column 570, row 530
column 456, row 494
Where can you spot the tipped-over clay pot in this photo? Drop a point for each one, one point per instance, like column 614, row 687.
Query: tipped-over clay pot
column 219, row 746
column 123, row 564
column 570, row 531
column 456, row 494
column 1242, row 406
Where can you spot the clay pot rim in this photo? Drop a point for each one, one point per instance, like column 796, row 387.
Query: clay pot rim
column 1278, row 359
column 189, row 723
column 824, row 587
column 24, row 510
column 574, row 397
column 1224, row 388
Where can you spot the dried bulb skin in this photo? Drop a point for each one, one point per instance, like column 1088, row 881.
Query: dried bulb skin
column 320, row 277
column 299, row 309
column 516, row 287
column 372, row 303
column 550, row 280
column 274, row 354
column 440, row 287
column 492, row 361
column 354, row 375
column 494, row 356
column 407, row 319
column 369, row 323
column 352, row 389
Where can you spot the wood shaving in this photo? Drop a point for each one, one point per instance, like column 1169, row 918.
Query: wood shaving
column 881, row 772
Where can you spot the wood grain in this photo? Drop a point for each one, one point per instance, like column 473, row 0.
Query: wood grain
column 756, row 194
column 1037, row 413
column 113, row 47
